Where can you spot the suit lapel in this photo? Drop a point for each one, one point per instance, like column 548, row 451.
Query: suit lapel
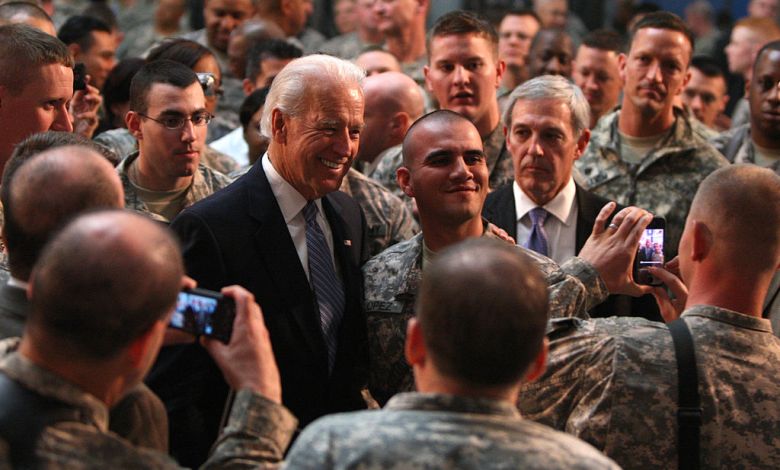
column 502, row 211
column 587, row 209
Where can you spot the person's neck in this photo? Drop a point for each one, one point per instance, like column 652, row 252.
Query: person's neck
column 99, row 379
column 488, row 123
column 439, row 236
column 513, row 76
column 769, row 141
column 144, row 175
column 407, row 45
column 433, row 382
column 166, row 29
column 735, row 292
column 369, row 36
column 632, row 122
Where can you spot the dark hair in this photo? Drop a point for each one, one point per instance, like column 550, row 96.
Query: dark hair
column 158, row 71
column 270, row 48
column 116, row 90
column 521, row 12
column 96, row 290
column 463, row 22
column 708, row 66
column 10, row 9
column 662, row 20
column 604, row 39
column 251, row 104
column 103, row 12
column 483, row 309
column 33, row 214
column 78, row 30
column 182, row 51
column 770, row 46
column 444, row 116
column 23, row 49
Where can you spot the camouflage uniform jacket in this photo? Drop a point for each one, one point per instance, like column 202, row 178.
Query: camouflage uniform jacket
column 419, row 430
column 613, row 383
column 737, row 146
column 388, row 220
column 498, row 158
column 389, row 161
column 257, row 433
column 664, row 182
column 204, row 183
column 346, row 46
column 391, row 281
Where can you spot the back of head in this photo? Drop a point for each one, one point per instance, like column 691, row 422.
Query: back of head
column 102, row 282
column 483, row 310
column 159, row 71
column 762, row 30
column 552, row 87
column 11, row 11
column 76, row 178
column 23, row 50
column 269, row 49
column 662, row 20
column 179, row 50
column 605, row 40
column 293, row 86
column 394, row 92
column 78, row 30
column 251, row 105
column 739, row 204
column 708, row 66
column 461, row 22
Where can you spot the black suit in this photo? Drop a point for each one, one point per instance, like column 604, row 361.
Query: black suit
column 13, row 310
column 239, row 236
column 499, row 208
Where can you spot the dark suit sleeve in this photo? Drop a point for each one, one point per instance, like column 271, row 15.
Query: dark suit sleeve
column 203, row 258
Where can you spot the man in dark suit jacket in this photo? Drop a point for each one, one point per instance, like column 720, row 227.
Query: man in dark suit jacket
column 254, row 234
column 546, row 131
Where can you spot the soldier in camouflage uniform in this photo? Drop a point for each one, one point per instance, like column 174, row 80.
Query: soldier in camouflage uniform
column 613, row 382
column 446, row 173
column 168, row 117
column 646, row 153
column 80, row 369
column 468, row 371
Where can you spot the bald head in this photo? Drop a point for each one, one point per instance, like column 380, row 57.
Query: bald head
column 75, row 178
column 738, row 205
column 26, row 13
column 106, row 262
column 375, row 61
column 483, row 302
column 393, row 102
column 442, row 118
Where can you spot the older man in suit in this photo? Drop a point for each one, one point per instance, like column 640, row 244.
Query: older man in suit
column 284, row 232
column 546, row 128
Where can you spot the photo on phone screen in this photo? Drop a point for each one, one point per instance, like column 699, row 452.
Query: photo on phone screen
column 650, row 252
column 202, row 312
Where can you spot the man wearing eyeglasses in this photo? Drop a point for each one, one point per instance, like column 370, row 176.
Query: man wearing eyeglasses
column 168, row 117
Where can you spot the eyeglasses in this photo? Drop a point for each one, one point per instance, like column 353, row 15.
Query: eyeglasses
column 174, row 123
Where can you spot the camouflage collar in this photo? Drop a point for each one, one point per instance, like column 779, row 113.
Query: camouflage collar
column 414, row 401
column 729, row 316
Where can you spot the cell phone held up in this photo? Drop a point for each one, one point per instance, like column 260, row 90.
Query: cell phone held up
column 650, row 252
column 79, row 77
column 204, row 312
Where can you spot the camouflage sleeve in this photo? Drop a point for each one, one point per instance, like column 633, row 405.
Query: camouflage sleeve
column 402, row 224
column 257, row 434
column 141, row 419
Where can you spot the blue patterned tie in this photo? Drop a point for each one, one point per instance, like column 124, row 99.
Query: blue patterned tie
column 328, row 290
column 537, row 241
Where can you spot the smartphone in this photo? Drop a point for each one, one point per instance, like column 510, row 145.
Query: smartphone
column 650, row 252
column 79, row 77
column 204, row 312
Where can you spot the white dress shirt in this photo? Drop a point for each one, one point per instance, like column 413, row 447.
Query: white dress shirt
column 233, row 145
column 560, row 226
column 291, row 202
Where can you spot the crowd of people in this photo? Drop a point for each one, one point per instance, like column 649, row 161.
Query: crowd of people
column 441, row 237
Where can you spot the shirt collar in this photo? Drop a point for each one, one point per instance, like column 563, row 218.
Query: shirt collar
column 560, row 206
column 453, row 403
column 290, row 201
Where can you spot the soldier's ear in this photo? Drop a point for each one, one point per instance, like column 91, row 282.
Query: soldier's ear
column 414, row 347
column 133, row 121
column 404, row 180
column 537, row 368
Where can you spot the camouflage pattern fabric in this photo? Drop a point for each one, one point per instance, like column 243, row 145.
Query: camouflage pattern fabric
column 421, row 431
column 498, row 158
column 205, row 182
column 218, row 161
column 346, row 46
column 613, row 383
column 391, row 281
column 737, row 146
column 664, row 182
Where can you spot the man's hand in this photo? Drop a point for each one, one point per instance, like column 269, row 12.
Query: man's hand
column 611, row 250
column 670, row 308
column 248, row 360
column 84, row 110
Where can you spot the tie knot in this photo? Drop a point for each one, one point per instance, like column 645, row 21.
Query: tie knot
column 310, row 212
column 538, row 215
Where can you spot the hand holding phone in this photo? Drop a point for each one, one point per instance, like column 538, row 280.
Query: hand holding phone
column 650, row 252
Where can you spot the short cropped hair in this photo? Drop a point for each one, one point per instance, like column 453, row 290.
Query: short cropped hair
column 552, row 87
column 159, row 71
column 78, row 30
column 269, row 49
column 24, row 49
column 663, row 20
column 708, row 66
column 290, row 90
column 521, row 12
column 770, row 46
column 483, row 309
column 180, row 50
column 10, row 9
column 443, row 116
column 605, row 40
column 95, row 290
column 461, row 22
column 251, row 104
